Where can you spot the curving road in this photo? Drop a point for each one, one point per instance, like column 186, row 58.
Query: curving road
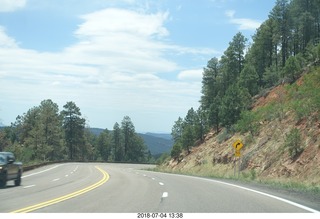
column 127, row 188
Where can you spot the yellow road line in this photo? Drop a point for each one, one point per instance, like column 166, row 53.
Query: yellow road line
column 104, row 179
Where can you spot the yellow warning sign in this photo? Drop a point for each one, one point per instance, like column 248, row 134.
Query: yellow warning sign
column 237, row 145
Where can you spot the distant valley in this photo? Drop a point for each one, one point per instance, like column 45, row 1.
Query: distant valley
column 157, row 143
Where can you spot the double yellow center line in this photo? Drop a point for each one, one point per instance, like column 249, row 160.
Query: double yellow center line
column 104, row 179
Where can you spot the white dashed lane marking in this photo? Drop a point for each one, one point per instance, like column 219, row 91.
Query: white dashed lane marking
column 26, row 187
column 165, row 195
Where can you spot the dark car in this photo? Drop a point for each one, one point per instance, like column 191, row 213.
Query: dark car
column 9, row 169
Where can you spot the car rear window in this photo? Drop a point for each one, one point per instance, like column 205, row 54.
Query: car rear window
column 2, row 159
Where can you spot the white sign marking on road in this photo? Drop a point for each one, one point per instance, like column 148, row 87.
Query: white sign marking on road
column 165, row 195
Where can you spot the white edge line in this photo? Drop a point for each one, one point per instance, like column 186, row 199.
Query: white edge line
column 272, row 196
column 24, row 176
column 252, row 190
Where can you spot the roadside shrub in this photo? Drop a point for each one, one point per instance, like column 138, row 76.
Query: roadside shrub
column 248, row 122
column 225, row 134
column 176, row 150
column 305, row 97
column 162, row 158
column 250, row 175
column 294, row 143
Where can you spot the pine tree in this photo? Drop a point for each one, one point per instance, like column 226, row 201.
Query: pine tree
column 104, row 145
column 117, row 143
column 261, row 53
column 282, row 21
column 249, row 79
column 210, row 84
column 51, row 129
column 233, row 102
column 73, row 125
column 134, row 147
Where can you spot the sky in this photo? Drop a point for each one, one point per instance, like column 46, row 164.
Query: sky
column 114, row 58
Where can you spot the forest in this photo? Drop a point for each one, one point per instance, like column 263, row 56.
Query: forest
column 43, row 134
column 284, row 47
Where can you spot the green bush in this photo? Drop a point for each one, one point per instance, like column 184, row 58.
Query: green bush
column 294, row 143
column 176, row 150
column 305, row 98
column 225, row 134
column 248, row 122
column 162, row 158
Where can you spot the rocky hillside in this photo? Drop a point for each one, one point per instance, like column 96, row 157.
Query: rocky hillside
column 282, row 144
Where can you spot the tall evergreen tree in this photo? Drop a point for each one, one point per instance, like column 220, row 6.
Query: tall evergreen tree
column 117, row 143
column 73, row 125
column 134, row 147
column 282, row 21
column 138, row 150
column 104, row 145
column 233, row 102
column 51, row 129
column 187, row 138
column 232, row 61
column 210, row 83
column 214, row 116
column 249, row 79
column 31, row 136
column 200, row 124
column 306, row 18
column 128, row 131
column 261, row 53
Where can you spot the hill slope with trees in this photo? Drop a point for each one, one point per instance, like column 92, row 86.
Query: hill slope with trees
column 281, row 138
column 285, row 47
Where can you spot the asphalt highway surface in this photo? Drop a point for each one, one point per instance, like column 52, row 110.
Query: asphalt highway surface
column 131, row 188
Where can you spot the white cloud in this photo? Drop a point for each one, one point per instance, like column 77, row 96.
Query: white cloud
column 127, row 40
column 11, row 5
column 243, row 23
column 191, row 75
column 5, row 40
column 116, row 65
column 113, row 20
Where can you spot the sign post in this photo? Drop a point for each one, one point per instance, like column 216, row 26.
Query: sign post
column 237, row 145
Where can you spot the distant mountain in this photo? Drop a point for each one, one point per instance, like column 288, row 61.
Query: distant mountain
column 160, row 135
column 157, row 143
column 2, row 126
column 96, row 131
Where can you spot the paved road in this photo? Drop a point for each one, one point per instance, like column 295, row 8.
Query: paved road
column 126, row 188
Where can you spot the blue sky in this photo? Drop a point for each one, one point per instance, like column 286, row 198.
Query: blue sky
column 116, row 58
